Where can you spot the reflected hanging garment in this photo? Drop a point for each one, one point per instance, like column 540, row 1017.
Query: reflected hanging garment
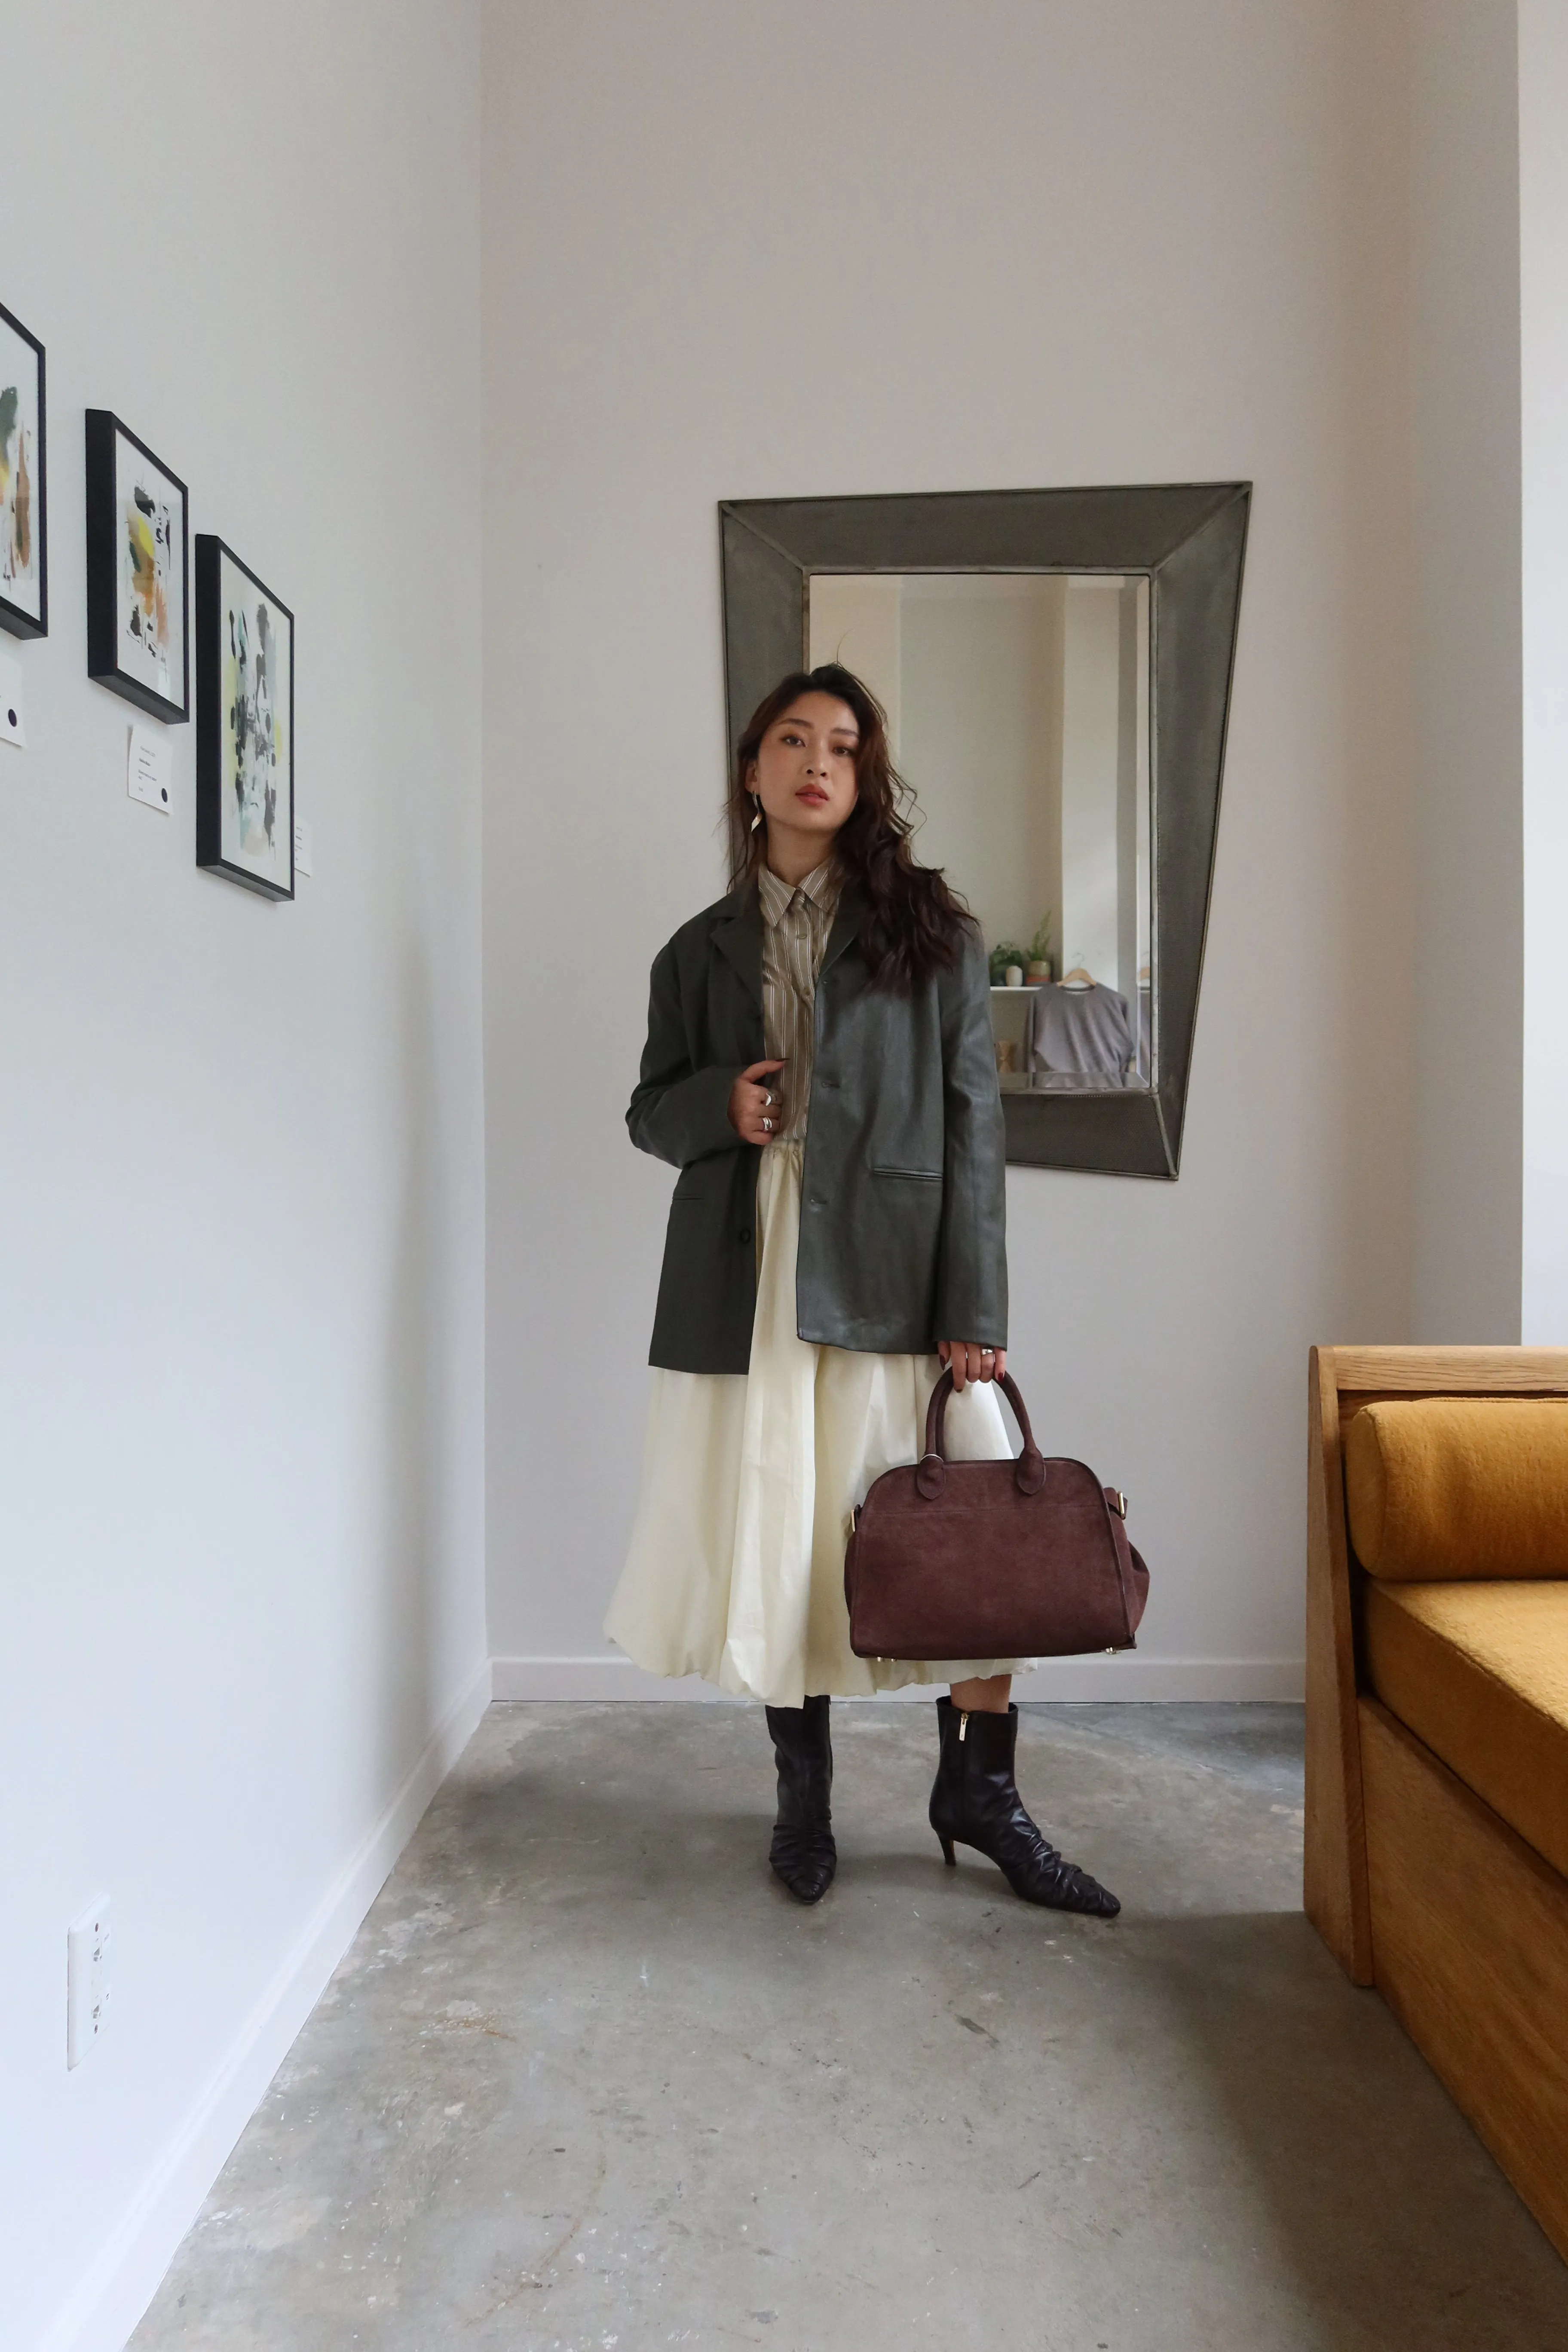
column 1080, row 1038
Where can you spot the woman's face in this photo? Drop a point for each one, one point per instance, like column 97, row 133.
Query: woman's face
column 805, row 773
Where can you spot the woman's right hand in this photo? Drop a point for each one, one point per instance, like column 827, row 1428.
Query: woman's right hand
column 754, row 1106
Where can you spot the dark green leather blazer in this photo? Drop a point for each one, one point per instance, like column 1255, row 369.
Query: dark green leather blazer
column 903, row 1209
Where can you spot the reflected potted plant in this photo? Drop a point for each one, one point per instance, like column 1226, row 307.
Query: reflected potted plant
column 1038, row 971
column 1006, row 954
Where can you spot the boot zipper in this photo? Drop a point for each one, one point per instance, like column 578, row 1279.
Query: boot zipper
column 964, row 1723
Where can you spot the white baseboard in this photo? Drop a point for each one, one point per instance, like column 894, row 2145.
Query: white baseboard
column 1134, row 1677
column 1138, row 1677
column 106, row 2307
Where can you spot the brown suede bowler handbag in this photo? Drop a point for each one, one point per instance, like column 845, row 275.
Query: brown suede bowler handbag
column 1024, row 1559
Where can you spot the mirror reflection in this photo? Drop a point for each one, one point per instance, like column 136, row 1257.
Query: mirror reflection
column 1018, row 710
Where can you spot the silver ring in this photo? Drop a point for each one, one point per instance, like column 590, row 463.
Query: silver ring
column 767, row 1127
column 988, row 1352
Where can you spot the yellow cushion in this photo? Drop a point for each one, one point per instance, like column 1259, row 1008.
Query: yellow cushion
column 1479, row 1672
column 1440, row 1486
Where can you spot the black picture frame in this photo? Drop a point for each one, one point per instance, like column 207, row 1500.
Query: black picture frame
column 1189, row 540
column 122, row 651
column 245, row 634
column 16, row 618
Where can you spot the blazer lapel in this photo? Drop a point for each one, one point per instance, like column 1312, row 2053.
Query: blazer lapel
column 845, row 924
column 737, row 933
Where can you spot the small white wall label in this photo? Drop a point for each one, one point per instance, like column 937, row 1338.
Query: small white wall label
column 86, row 1982
column 149, row 768
column 13, row 713
column 302, row 862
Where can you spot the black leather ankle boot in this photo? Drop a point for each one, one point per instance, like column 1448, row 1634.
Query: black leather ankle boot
column 975, row 1802
column 802, row 1853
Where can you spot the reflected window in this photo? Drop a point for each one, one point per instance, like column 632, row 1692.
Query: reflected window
column 1018, row 711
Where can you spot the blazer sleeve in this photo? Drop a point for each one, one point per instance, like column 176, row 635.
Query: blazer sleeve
column 972, row 1268
column 679, row 1112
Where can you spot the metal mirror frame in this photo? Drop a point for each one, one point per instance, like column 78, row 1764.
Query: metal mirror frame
column 1189, row 540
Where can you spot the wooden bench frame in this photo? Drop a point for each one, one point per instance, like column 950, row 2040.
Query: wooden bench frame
column 1415, row 1884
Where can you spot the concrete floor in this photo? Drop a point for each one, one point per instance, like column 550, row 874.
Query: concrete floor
column 588, row 2078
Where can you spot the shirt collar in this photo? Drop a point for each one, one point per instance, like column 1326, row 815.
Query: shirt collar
column 822, row 886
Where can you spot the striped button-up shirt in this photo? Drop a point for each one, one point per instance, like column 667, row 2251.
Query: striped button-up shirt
column 796, row 926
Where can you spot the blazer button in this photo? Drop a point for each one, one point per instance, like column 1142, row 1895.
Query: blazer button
column 745, row 1233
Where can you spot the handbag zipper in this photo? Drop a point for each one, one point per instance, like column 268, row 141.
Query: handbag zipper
column 964, row 1723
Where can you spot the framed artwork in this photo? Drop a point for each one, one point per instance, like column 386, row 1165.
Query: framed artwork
column 245, row 724
column 23, row 534
column 138, row 562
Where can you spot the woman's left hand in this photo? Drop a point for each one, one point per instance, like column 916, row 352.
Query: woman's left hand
column 968, row 1361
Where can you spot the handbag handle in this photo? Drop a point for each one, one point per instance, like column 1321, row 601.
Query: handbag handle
column 930, row 1477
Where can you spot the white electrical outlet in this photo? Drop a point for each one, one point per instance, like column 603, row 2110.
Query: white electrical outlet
column 86, row 1982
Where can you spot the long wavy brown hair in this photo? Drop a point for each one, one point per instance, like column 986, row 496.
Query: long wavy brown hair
column 914, row 924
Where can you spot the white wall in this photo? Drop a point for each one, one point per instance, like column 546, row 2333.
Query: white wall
column 1476, row 132
column 726, row 260
column 1466, row 838
column 1088, row 920
column 1485, row 354
column 983, row 730
column 857, row 619
column 241, row 1174
column 1543, row 295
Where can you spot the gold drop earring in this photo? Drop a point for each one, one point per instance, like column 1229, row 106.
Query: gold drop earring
column 757, row 821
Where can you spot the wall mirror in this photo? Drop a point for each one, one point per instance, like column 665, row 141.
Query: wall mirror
column 1056, row 669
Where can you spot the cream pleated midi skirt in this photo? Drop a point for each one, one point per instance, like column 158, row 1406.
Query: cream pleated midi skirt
column 749, row 1481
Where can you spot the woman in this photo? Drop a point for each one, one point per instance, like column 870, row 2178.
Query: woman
column 820, row 1066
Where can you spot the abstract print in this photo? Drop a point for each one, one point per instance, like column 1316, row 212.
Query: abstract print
column 21, row 570
column 256, row 703
column 150, row 602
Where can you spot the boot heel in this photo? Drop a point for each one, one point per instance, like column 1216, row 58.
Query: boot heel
column 947, row 1853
